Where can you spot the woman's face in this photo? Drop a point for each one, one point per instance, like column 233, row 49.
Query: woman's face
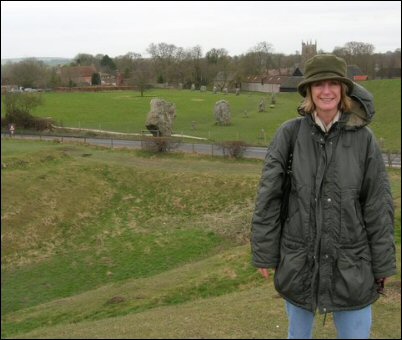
column 326, row 95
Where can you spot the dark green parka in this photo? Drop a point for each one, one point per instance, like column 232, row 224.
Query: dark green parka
column 339, row 234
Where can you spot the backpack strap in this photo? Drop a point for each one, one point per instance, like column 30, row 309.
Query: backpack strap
column 288, row 175
column 295, row 133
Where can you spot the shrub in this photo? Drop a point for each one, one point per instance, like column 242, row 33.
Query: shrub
column 233, row 149
column 18, row 107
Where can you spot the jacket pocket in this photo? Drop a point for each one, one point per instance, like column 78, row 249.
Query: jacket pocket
column 293, row 224
column 352, row 226
column 291, row 275
column 353, row 279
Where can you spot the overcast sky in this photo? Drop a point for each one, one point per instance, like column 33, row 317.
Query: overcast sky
column 66, row 28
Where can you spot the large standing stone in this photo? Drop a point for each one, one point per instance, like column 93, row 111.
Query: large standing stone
column 161, row 117
column 222, row 113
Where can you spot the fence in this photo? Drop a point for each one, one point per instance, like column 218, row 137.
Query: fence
column 390, row 159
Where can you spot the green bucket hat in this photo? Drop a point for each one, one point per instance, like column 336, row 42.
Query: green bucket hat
column 324, row 67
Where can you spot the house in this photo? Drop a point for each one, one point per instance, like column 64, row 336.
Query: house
column 107, row 79
column 355, row 73
column 268, row 84
column 291, row 83
column 77, row 75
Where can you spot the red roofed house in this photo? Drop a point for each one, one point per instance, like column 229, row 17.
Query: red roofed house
column 79, row 75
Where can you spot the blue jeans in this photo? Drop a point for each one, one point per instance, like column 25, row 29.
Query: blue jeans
column 354, row 324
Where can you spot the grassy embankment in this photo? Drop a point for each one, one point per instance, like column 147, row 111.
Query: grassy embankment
column 114, row 243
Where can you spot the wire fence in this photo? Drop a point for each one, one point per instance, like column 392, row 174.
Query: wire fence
column 391, row 159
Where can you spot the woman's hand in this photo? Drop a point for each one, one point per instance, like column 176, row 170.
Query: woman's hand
column 264, row 272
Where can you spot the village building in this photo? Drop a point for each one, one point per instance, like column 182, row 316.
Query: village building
column 77, row 75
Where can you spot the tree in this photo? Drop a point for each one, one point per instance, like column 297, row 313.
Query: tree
column 136, row 70
column 217, row 65
column 54, row 79
column 214, row 55
column 356, row 48
column 18, row 107
column 357, row 53
column 263, row 54
column 107, row 65
column 195, row 55
column 96, row 79
column 164, row 58
column 27, row 73
column 126, row 63
column 141, row 75
column 84, row 59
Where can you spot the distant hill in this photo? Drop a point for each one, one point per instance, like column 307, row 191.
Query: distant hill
column 51, row 61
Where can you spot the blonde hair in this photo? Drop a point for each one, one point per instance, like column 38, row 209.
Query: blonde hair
column 345, row 103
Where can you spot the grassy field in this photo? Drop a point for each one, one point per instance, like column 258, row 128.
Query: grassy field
column 100, row 243
column 125, row 111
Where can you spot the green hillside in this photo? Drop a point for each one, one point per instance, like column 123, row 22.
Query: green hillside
column 100, row 243
column 125, row 111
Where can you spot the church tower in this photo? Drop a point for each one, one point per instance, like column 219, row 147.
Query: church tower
column 308, row 50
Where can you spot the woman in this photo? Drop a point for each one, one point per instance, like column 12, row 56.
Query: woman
column 336, row 245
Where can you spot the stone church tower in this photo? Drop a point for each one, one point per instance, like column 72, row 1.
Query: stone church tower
column 308, row 50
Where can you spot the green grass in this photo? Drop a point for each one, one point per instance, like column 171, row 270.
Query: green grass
column 387, row 121
column 126, row 111
column 100, row 243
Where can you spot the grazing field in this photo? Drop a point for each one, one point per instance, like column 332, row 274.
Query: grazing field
column 100, row 243
column 125, row 111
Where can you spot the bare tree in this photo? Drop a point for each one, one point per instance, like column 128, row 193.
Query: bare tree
column 263, row 53
column 357, row 53
column 141, row 74
column 195, row 55
column 163, row 56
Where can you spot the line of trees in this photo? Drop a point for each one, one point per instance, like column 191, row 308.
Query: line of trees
column 176, row 65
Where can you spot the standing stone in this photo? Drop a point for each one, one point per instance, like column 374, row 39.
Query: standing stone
column 261, row 105
column 237, row 91
column 192, row 87
column 273, row 99
column 215, row 89
column 223, row 115
column 203, row 88
column 161, row 117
